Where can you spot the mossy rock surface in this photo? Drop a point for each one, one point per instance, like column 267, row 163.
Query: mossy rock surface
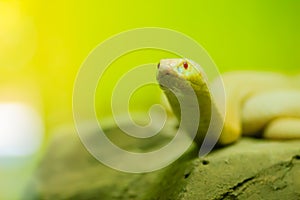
column 249, row 169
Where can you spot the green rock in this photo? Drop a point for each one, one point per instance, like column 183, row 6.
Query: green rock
column 249, row 169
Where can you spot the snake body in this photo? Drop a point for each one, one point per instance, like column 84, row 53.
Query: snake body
column 256, row 102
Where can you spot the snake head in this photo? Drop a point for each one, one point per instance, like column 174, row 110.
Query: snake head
column 179, row 73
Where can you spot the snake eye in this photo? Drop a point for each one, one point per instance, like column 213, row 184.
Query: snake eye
column 185, row 65
column 158, row 65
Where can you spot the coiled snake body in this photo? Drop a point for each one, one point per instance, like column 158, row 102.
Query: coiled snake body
column 257, row 103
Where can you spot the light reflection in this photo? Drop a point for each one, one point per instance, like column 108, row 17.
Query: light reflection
column 21, row 130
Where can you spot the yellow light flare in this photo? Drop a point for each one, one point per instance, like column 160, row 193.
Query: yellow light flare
column 17, row 36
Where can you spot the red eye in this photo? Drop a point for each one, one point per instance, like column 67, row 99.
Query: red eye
column 185, row 65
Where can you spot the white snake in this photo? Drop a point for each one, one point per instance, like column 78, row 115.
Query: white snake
column 262, row 103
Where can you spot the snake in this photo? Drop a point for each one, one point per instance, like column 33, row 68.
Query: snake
column 259, row 104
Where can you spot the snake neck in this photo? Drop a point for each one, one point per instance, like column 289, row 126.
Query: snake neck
column 204, row 103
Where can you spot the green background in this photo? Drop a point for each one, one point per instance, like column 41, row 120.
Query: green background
column 44, row 43
column 238, row 35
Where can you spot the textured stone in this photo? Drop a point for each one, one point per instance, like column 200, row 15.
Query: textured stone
column 249, row 169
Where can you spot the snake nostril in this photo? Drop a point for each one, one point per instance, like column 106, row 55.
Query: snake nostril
column 158, row 65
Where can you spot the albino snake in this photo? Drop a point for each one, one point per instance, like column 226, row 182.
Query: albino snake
column 262, row 103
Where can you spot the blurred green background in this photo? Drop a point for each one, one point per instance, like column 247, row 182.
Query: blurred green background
column 43, row 43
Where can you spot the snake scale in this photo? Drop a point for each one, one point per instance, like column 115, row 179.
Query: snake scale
column 265, row 104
